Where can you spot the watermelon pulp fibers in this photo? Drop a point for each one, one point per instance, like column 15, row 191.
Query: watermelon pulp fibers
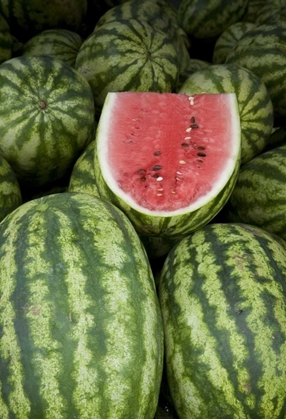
column 166, row 153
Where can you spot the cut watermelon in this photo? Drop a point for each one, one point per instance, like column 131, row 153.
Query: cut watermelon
column 164, row 155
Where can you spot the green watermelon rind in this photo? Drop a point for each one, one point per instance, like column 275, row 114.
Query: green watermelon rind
column 81, row 327
column 222, row 295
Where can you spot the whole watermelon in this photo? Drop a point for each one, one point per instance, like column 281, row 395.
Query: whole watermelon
column 46, row 117
column 128, row 55
column 81, row 328
column 222, row 292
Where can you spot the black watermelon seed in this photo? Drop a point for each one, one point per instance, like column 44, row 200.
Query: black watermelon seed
column 194, row 126
column 193, row 120
column 141, row 171
column 157, row 153
column 157, row 167
column 201, row 154
column 185, row 145
column 199, row 160
column 201, row 147
column 142, row 178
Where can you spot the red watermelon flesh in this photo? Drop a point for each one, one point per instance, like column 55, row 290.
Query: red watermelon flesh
column 168, row 153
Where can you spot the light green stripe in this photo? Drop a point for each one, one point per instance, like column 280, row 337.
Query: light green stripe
column 40, row 317
column 80, row 303
column 9, row 346
column 273, row 384
column 200, row 335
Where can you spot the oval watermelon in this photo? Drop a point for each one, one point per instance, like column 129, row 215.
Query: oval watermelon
column 222, row 292
column 169, row 161
column 81, row 327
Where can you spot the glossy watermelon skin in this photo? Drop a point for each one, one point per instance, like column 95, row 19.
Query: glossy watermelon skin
column 222, row 293
column 47, row 117
column 81, row 327
column 128, row 55
column 10, row 192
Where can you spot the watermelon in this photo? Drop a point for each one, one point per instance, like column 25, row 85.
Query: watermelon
column 271, row 13
column 228, row 39
column 82, row 177
column 209, row 18
column 259, row 196
column 222, row 293
column 128, row 55
column 262, row 50
column 10, row 192
column 168, row 160
column 46, row 117
column 28, row 18
column 58, row 43
column 254, row 102
column 81, row 327
column 158, row 14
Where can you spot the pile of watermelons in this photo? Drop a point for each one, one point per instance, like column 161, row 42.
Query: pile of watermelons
column 102, row 317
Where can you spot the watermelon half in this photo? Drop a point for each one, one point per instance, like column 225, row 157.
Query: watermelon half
column 168, row 160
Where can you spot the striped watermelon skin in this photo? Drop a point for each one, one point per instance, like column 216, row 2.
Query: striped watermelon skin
column 82, row 177
column 47, row 117
column 6, row 40
column 254, row 102
column 271, row 13
column 61, row 44
column 10, row 192
column 81, row 328
column 159, row 14
column 207, row 19
column 128, row 55
column 259, row 194
column 228, row 39
column 262, row 50
column 222, row 293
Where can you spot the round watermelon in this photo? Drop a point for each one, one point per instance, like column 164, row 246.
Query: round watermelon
column 168, row 160
column 81, row 327
column 128, row 55
column 58, row 43
column 222, row 293
column 46, row 117
column 228, row 39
